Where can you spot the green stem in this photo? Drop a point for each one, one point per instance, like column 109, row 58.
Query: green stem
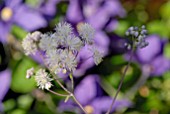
column 72, row 95
column 74, row 98
column 62, row 95
column 121, row 81
column 72, row 81
column 65, row 89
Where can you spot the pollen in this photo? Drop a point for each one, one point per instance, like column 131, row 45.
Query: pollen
column 89, row 109
column 6, row 13
column 78, row 26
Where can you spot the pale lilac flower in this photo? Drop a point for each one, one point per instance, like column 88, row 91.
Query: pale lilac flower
column 43, row 79
column 29, row 45
column 86, row 32
column 47, row 42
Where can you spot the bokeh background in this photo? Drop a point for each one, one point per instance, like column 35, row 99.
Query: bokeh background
column 146, row 88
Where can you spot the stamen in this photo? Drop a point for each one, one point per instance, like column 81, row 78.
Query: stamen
column 6, row 14
column 89, row 109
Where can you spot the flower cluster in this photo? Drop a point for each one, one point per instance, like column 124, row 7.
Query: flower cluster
column 43, row 80
column 138, row 37
column 30, row 43
column 61, row 48
column 41, row 77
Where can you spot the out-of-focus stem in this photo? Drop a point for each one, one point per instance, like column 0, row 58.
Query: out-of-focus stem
column 74, row 98
column 145, row 75
column 121, row 81
column 72, row 95
column 59, row 94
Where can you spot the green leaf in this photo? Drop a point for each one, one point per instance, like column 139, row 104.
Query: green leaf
column 117, row 60
column 166, row 75
column 25, row 101
column 18, row 32
column 9, row 104
column 153, row 101
column 158, row 27
column 122, row 27
column 18, row 111
column 19, row 82
column 167, row 50
column 165, row 11
column 32, row 3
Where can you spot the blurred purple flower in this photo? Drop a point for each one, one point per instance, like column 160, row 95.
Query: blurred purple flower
column 16, row 12
column 96, row 12
column 5, row 79
column 100, row 14
column 152, row 56
column 85, row 55
column 45, row 7
column 48, row 8
column 89, row 94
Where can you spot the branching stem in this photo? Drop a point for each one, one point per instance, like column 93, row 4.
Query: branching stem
column 59, row 94
column 72, row 95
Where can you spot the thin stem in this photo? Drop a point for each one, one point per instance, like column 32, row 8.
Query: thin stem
column 62, row 95
column 62, row 86
column 74, row 98
column 121, row 82
column 72, row 81
column 72, row 95
column 145, row 75
column 65, row 89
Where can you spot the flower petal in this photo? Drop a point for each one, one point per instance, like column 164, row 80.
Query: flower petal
column 29, row 19
column 88, row 85
column 4, row 30
column 13, row 3
column 5, row 79
column 74, row 13
column 49, row 8
column 147, row 54
column 102, row 104
column 157, row 69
